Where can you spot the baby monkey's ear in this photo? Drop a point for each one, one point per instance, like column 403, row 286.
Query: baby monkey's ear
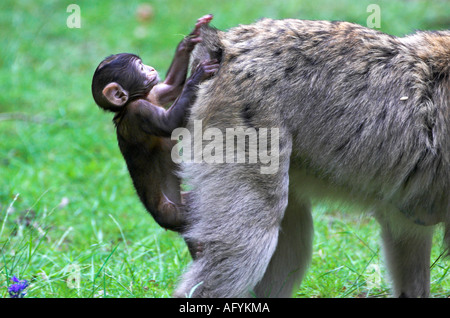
column 115, row 94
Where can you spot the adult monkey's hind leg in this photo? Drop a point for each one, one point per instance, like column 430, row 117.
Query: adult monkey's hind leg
column 236, row 214
column 294, row 249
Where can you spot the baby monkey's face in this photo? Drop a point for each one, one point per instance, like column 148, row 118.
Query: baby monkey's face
column 149, row 72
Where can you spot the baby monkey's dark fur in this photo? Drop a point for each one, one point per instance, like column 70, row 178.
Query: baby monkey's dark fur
column 123, row 85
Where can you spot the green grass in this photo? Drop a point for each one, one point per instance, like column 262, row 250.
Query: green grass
column 66, row 200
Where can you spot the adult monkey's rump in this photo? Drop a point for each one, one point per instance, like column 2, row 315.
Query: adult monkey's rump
column 363, row 118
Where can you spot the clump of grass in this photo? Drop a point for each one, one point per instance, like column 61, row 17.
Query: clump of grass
column 106, row 266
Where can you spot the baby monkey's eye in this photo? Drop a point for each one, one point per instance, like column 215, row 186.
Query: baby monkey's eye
column 141, row 65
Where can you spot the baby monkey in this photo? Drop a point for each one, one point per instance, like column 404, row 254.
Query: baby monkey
column 132, row 90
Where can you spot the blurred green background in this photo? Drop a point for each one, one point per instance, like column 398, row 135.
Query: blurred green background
column 68, row 213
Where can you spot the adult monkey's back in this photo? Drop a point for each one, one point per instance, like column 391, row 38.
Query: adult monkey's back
column 363, row 118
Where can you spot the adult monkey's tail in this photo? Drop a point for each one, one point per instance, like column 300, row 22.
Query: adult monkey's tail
column 211, row 47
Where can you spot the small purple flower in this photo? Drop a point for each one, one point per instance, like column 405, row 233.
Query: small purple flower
column 17, row 290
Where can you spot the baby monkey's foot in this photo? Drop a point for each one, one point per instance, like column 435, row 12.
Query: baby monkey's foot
column 195, row 249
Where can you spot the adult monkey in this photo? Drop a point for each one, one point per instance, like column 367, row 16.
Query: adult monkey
column 364, row 118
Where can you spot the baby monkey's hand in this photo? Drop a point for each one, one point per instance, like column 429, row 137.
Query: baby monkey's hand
column 204, row 70
column 194, row 37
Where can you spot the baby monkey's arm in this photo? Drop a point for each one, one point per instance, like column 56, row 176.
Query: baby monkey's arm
column 167, row 91
column 157, row 121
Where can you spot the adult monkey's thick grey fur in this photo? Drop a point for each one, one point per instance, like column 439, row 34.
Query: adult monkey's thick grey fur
column 364, row 118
